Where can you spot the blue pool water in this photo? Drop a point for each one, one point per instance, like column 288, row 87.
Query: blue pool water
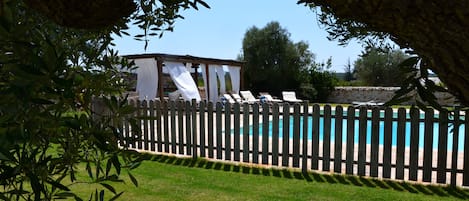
column 368, row 137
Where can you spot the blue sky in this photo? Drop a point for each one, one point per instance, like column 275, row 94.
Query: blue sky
column 218, row 32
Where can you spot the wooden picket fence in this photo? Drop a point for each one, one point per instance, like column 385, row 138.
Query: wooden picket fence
column 276, row 135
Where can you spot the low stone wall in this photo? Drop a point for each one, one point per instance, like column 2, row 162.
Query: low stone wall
column 378, row 94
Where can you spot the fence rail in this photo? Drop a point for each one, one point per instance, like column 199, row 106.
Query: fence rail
column 400, row 144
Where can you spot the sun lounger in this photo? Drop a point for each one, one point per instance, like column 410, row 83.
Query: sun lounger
column 367, row 103
column 267, row 98
column 237, row 98
column 248, row 97
column 226, row 98
column 290, row 96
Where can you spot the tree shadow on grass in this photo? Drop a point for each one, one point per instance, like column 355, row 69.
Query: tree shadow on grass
column 330, row 179
column 308, row 176
column 380, row 184
column 341, row 179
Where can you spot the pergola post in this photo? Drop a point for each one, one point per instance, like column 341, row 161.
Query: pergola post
column 195, row 66
column 207, row 85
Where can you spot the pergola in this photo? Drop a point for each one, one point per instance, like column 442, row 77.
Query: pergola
column 212, row 69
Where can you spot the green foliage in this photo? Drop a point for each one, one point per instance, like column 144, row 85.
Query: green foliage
column 417, row 80
column 378, row 67
column 320, row 82
column 345, row 30
column 273, row 62
column 50, row 76
column 419, row 30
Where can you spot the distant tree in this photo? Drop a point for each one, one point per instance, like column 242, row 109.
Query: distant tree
column 349, row 71
column 273, row 62
column 319, row 82
column 380, row 68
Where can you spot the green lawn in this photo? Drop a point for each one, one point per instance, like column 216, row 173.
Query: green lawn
column 168, row 178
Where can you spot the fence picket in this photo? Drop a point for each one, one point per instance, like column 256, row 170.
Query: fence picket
column 255, row 133
column 265, row 133
column 227, row 131
column 140, row 123
column 219, row 128
column 338, row 139
column 188, row 128
column 275, row 133
column 428, row 145
column 296, row 135
column 414, row 143
column 304, row 162
column 246, row 133
column 388, row 121
column 362, row 126
column 144, row 113
column 159, row 133
column 326, row 155
column 127, row 134
column 210, row 129
column 350, row 140
column 202, row 128
column 401, row 122
column 194, row 129
column 375, row 113
column 152, row 125
column 455, row 152
column 442, row 147
column 466, row 150
column 237, row 133
column 286, row 135
column 315, row 139
column 180, row 111
column 173, row 134
column 166, row 127
column 134, row 133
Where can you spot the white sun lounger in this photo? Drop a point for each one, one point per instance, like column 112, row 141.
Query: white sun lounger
column 367, row 103
column 269, row 99
column 290, row 96
column 237, row 98
column 248, row 97
column 228, row 98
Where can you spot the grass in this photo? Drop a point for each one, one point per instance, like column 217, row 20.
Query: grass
column 170, row 178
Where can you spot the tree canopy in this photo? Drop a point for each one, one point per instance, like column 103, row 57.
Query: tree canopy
column 274, row 63
column 378, row 67
column 435, row 30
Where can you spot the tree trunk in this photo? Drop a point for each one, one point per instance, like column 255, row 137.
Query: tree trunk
column 437, row 30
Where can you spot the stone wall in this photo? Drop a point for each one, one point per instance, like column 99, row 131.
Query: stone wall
column 377, row 94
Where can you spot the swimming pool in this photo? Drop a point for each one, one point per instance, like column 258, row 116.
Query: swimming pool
column 368, row 132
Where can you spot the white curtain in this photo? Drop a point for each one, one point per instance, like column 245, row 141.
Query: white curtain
column 183, row 80
column 204, row 77
column 221, row 77
column 212, row 73
column 235, row 74
column 147, row 78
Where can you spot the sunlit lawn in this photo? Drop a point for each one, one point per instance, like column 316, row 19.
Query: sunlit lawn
column 168, row 178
